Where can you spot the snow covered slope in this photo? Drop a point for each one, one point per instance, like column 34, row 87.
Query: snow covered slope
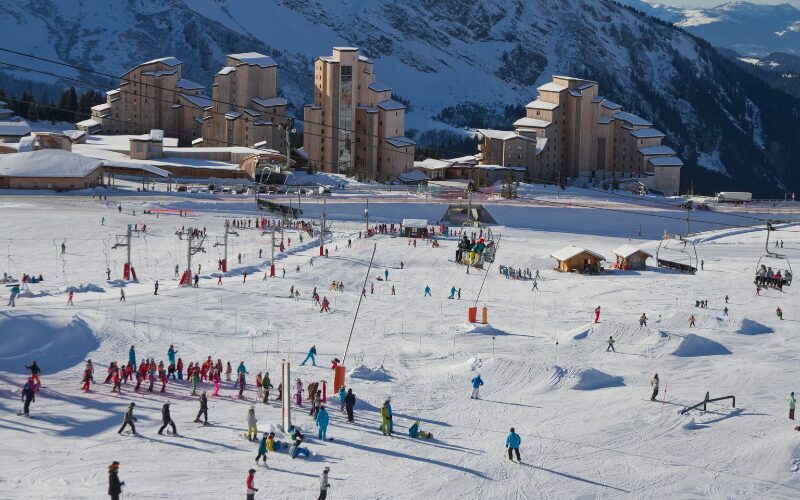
column 587, row 425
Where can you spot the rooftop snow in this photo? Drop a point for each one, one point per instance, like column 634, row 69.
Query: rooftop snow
column 270, row 102
column 154, row 135
column 631, row 118
column 539, row 104
column 665, row 161
column 254, row 59
column 88, row 123
column 571, row 251
column 575, row 92
column 232, row 115
column 169, row 61
column 201, row 101
column 345, row 49
column 433, row 164
column 226, row 70
column 626, row 251
column 647, row 133
column 379, row 87
column 101, row 107
column 185, row 84
column 400, row 141
column 15, row 128
column 657, row 150
column 159, row 72
column 391, row 105
column 47, row 163
column 74, row 134
column 501, row 135
column 415, row 223
column 531, row 122
column 552, row 87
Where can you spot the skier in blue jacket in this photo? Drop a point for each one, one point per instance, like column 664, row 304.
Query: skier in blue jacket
column 322, row 422
column 512, row 443
column 132, row 357
column 477, row 382
column 311, row 355
column 171, row 354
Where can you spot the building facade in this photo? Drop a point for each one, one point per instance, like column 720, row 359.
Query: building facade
column 354, row 127
column 580, row 134
column 246, row 108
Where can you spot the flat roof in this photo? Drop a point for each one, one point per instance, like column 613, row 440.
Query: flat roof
column 201, row 101
column 631, row 118
column 400, row 141
column 379, row 87
column 270, row 101
column 15, row 128
column 552, row 87
column 665, row 161
column 531, row 122
column 254, row 59
column 647, row 133
column 539, row 104
column 391, row 105
column 183, row 83
column 47, row 163
column 415, row 223
column 657, row 150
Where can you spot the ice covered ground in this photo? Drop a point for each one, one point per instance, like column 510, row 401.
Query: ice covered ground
column 588, row 428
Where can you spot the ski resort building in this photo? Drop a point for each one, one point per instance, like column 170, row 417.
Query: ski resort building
column 153, row 95
column 246, row 108
column 569, row 131
column 354, row 127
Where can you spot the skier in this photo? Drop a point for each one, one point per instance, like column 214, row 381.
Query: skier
column 155, row 286
column 12, row 299
column 779, row 313
column 129, row 419
column 477, row 382
column 262, row 449
column 121, row 295
column 386, row 275
column 203, row 409
column 176, row 270
column 386, row 419
column 349, row 403
column 342, row 395
column 35, row 371
column 643, row 320
column 512, row 443
column 452, row 293
column 171, row 354
column 324, row 484
column 228, row 371
column 726, row 298
column 654, row 383
column 252, row 430
column 427, row 291
column 458, row 294
column 250, row 484
column 296, row 449
column 393, row 291
column 63, row 248
column 259, row 389
column 691, row 320
column 791, row 400
column 215, row 378
column 311, row 355
column 195, row 380
column 322, row 422
column 725, row 311
column 196, row 280
column 114, row 484
column 597, row 314
column 326, row 305
column 28, row 397
column 108, row 273
column 610, row 344
column 535, row 285
column 266, row 385
column 298, row 393
column 70, row 295
column 166, row 419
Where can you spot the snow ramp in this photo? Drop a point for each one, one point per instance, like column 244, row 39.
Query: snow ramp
column 593, row 380
column 696, row 346
column 750, row 327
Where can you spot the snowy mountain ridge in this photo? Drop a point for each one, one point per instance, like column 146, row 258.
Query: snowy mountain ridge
column 459, row 63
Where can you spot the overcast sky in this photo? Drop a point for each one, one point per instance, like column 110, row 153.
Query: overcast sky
column 711, row 3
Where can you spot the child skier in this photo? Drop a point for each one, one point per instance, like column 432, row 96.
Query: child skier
column 252, row 430
column 322, row 422
column 654, row 383
column 262, row 449
column 597, row 314
column 477, row 382
column 166, row 420
column 643, row 320
column 610, row 342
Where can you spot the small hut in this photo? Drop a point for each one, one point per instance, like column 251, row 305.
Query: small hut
column 415, row 228
column 631, row 257
column 573, row 258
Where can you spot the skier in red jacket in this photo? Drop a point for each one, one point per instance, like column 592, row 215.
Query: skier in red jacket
column 250, row 484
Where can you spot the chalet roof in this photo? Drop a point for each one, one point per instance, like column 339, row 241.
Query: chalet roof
column 48, row 163
column 15, row 128
column 571, row 251
column 412, row 176
column 155, row 135
column 610, row 104
column 626, row 251
column 159, row 72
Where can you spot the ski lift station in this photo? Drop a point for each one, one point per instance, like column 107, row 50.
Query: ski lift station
column 415, row 228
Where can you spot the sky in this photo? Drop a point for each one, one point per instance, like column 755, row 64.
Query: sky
column 712, row 3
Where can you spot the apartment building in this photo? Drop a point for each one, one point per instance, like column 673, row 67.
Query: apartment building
column 354, row 127
column 246, row 108
column 581, row 134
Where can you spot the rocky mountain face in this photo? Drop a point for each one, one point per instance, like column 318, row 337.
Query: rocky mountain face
column 458, row 63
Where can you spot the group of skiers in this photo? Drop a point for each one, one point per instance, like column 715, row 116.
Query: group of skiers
column 766, row 277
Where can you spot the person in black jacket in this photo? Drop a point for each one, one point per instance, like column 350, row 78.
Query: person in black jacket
column 27, row 397
column 129, row 419
column 166, row 419
column 203, row 409
column 114, row 484
column 349, row 403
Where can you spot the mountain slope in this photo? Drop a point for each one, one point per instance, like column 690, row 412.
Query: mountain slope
column 459, row 63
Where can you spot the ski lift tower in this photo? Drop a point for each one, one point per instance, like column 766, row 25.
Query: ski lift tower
column 128, row 272
column 192, row 247
column 323, row 228
column 224, row 244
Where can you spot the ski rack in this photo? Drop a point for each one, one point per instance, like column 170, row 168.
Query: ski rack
column 704, row 402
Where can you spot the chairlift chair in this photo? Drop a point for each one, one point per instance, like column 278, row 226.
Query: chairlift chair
column 676, row 252
column 774, row 257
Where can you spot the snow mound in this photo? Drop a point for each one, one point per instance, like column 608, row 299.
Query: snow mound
column 30, row 295
column 54, row 346
column 695, row 345
column 582, row 335
column 480, row 329
column 87, row 287
column 750, row 327
column 592, row 380
column 378, row 374
column 117, row 283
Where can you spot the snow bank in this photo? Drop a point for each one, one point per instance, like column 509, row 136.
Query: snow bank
column 480, row 329
column 378, row 374
column 750, row 327
column 695, row 345
column 592, row 380
column 83, row 288
column 24, row 338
